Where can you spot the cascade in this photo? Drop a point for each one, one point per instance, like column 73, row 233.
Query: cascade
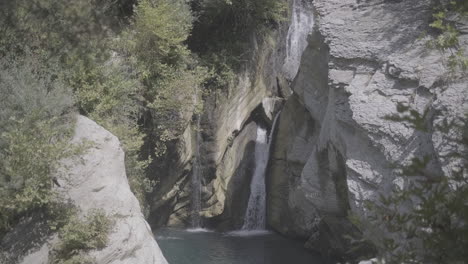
column 255, row 215
column 302, row 23
column 196, row 179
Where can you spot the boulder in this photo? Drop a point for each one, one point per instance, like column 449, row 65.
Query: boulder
column 97, row 180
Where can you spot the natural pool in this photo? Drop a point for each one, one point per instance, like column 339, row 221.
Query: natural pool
column 200, row 246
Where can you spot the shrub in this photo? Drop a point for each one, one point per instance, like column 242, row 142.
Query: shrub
column 35, row 126
column 232, row 19
column 447, row 39
column 159, row 30
column 223, row 32
column 424, row 219
column 425, row 222
column 81, row 235
column 170, row 75
column 59, row 29
column 137, row 81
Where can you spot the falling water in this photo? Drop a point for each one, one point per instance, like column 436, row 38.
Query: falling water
column 302, row 23
column 196, row 179
column 255, row 216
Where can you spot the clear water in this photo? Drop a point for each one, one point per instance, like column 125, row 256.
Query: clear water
column 199, row 246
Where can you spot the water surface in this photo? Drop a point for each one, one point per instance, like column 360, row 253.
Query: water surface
column 201, row 246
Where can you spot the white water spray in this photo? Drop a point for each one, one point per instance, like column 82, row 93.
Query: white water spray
column 255, row 216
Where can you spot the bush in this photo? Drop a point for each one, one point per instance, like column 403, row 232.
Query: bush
column 223, row 32
column 159, row 30
column 236, row 19
column 426, row 222
column 170, row 75
column 447, row 39
column 424, row 219
column 81, row 235
column 35, row 126
column 58, row 29
column 137, row 80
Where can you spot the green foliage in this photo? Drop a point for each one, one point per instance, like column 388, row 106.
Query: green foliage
column 142, row 89
column 34, row 132
column 160, row 28
column 235, row 18
column 223, row 33
column 424, row 219
column 165, row 66
column 448, row 34
column 424, row 222
column 81, row 235
column 57, row 29
column 132, row 141
column 133, row 73
column 170, row 75
column 110, row 95
column 221, row 69
column 77, row 35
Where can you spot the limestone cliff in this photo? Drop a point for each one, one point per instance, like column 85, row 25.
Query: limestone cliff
column 345, row 68
column 337, row 141
column 96, row 179
column 227, row 131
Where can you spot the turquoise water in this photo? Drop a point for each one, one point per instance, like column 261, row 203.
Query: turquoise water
column 243, row 247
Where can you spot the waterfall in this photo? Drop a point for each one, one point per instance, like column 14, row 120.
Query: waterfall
column 255, row 215
column 196, row 177
column 302, row 23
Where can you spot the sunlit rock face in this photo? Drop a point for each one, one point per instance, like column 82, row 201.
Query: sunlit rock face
column 94, row 180
column 338, row 141
column 227, row 131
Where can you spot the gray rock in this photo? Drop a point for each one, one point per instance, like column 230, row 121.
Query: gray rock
column 97, row 179
column 256, row 94
column 337, row 140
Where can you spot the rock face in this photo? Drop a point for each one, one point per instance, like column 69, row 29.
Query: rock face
column 97, row 179
column 228, row 126
column 343, row 130
column 363, row 71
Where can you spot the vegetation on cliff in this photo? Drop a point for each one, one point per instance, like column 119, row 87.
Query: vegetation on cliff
column 81, row 235
column 126, row 64
column 445, row 19
column 35, row 126
column 423, row 218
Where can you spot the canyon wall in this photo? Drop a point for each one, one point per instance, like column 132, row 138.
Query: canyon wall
column 361, row 93
column 343, row 132
column 228, row 131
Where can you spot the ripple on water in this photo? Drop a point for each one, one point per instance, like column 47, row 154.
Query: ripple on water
column 247, row 233
column 202, row 246
column 198, row 230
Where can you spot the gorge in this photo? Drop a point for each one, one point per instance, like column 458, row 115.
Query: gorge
column 337, row 122
column 335, row 146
